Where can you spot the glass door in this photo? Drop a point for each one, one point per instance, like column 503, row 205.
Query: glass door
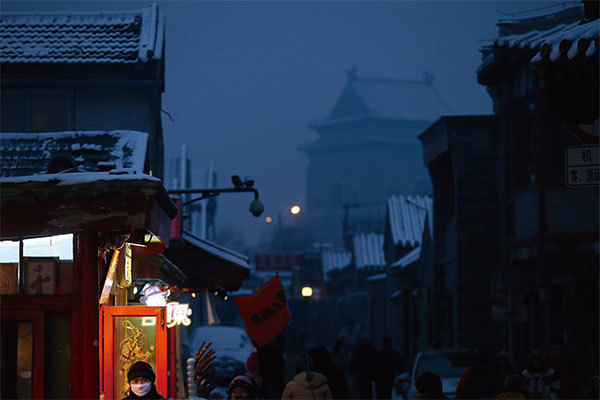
column 22, row 355
column 131, row 334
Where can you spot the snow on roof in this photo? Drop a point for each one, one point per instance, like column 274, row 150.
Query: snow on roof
column 407, row 218
column 376, row 277
column 217, row 250
column 410, row 257
column 335, row 259
column 552, row 35
column 74, row 178
column 570, row 40
column 368, row 250
column 123, row 37
column 31, row 153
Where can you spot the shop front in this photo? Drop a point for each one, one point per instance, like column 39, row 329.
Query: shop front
column 65, row 324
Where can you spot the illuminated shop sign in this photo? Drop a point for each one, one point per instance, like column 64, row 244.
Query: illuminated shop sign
column 178, row 314
column 154, row 297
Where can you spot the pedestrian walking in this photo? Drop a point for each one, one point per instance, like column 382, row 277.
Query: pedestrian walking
column 388, row 364
column 141, row 379
column 503, row 369
column 362, row 366
column 307, row 384
column 477, row 382
column 542, row 381
column 336, row 380
column 429, row 386
column 244, row 387
column 515, row 388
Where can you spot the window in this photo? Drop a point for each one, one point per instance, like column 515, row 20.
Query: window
column 36, row 111
column 45, row 267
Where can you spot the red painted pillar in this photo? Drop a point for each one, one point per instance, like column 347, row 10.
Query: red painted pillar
column 85, row 315
column 172, row 340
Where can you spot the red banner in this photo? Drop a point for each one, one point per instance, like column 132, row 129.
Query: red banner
column 265, row 312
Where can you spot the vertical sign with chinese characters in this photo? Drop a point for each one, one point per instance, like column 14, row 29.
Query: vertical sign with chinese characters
column 582, row 165
column 178, row 314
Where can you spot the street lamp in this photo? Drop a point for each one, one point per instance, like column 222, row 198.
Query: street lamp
column 256, row 206
column 307, row 291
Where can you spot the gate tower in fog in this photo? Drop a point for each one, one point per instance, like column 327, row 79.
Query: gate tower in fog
column 368, row 150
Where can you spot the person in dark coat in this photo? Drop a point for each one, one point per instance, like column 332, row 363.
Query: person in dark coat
column 362, row 366
column 477, row 382
column 335, row 376
column 542, row 381
column 515, row 388
column 244, row 387
column 388, row 363
column 141, row 379
column 271, row 367
column 502, row 370
column 429, row 386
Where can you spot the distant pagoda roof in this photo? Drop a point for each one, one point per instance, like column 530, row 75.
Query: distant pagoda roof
column 392, row 99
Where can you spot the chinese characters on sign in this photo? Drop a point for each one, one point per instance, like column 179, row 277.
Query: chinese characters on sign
column 582, row 165
column 178, row 314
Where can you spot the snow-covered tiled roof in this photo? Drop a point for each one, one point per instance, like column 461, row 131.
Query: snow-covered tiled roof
column 408, row 258
column 123, row 37
column 368, row 250
column 376, row 277
column 78, row 178
column 569, row 39
column 335, row 259
column 32, row 153
column 407, row 218
column 217, row 250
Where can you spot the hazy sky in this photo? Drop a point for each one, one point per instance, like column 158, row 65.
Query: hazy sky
column 243, row 79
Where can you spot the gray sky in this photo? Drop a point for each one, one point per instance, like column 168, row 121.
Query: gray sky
column 243, row 79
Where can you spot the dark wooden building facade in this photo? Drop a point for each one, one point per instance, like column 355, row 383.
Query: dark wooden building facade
column 542, row 75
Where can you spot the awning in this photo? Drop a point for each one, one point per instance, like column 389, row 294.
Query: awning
column 208, row 265
column 52, row 204
column 158, row 267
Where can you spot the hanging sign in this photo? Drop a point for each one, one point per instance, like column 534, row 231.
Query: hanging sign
column 178, row 314
column 582, row 165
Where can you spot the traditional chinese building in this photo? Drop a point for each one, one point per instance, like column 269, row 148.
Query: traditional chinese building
column 542, row 75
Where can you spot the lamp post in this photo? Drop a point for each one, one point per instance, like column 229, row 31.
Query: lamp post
column 256, row 206
column 277, row 241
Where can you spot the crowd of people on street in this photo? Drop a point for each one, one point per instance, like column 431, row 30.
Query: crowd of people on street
column 361, row 371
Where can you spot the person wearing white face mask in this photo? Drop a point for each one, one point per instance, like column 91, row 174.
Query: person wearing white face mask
column 141, row 378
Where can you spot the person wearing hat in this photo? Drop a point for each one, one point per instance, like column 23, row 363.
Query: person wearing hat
column 244, row 387
column 141, row 378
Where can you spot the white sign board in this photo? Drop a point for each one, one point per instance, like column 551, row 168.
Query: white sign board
column 582, row 165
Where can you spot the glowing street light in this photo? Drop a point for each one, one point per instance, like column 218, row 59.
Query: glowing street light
column 269, row 220
column 295, row 210
column 306, row 291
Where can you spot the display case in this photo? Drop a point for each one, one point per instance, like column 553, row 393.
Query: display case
column 131, row 334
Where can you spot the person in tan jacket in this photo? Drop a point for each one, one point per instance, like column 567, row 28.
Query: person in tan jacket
column 306, row 384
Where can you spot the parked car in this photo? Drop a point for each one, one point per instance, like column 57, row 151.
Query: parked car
column 449, row 364
column 232, row 348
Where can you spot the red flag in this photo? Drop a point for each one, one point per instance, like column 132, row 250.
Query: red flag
column 265, row 312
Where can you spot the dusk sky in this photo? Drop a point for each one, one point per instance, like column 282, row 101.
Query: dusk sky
column 244, row 79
